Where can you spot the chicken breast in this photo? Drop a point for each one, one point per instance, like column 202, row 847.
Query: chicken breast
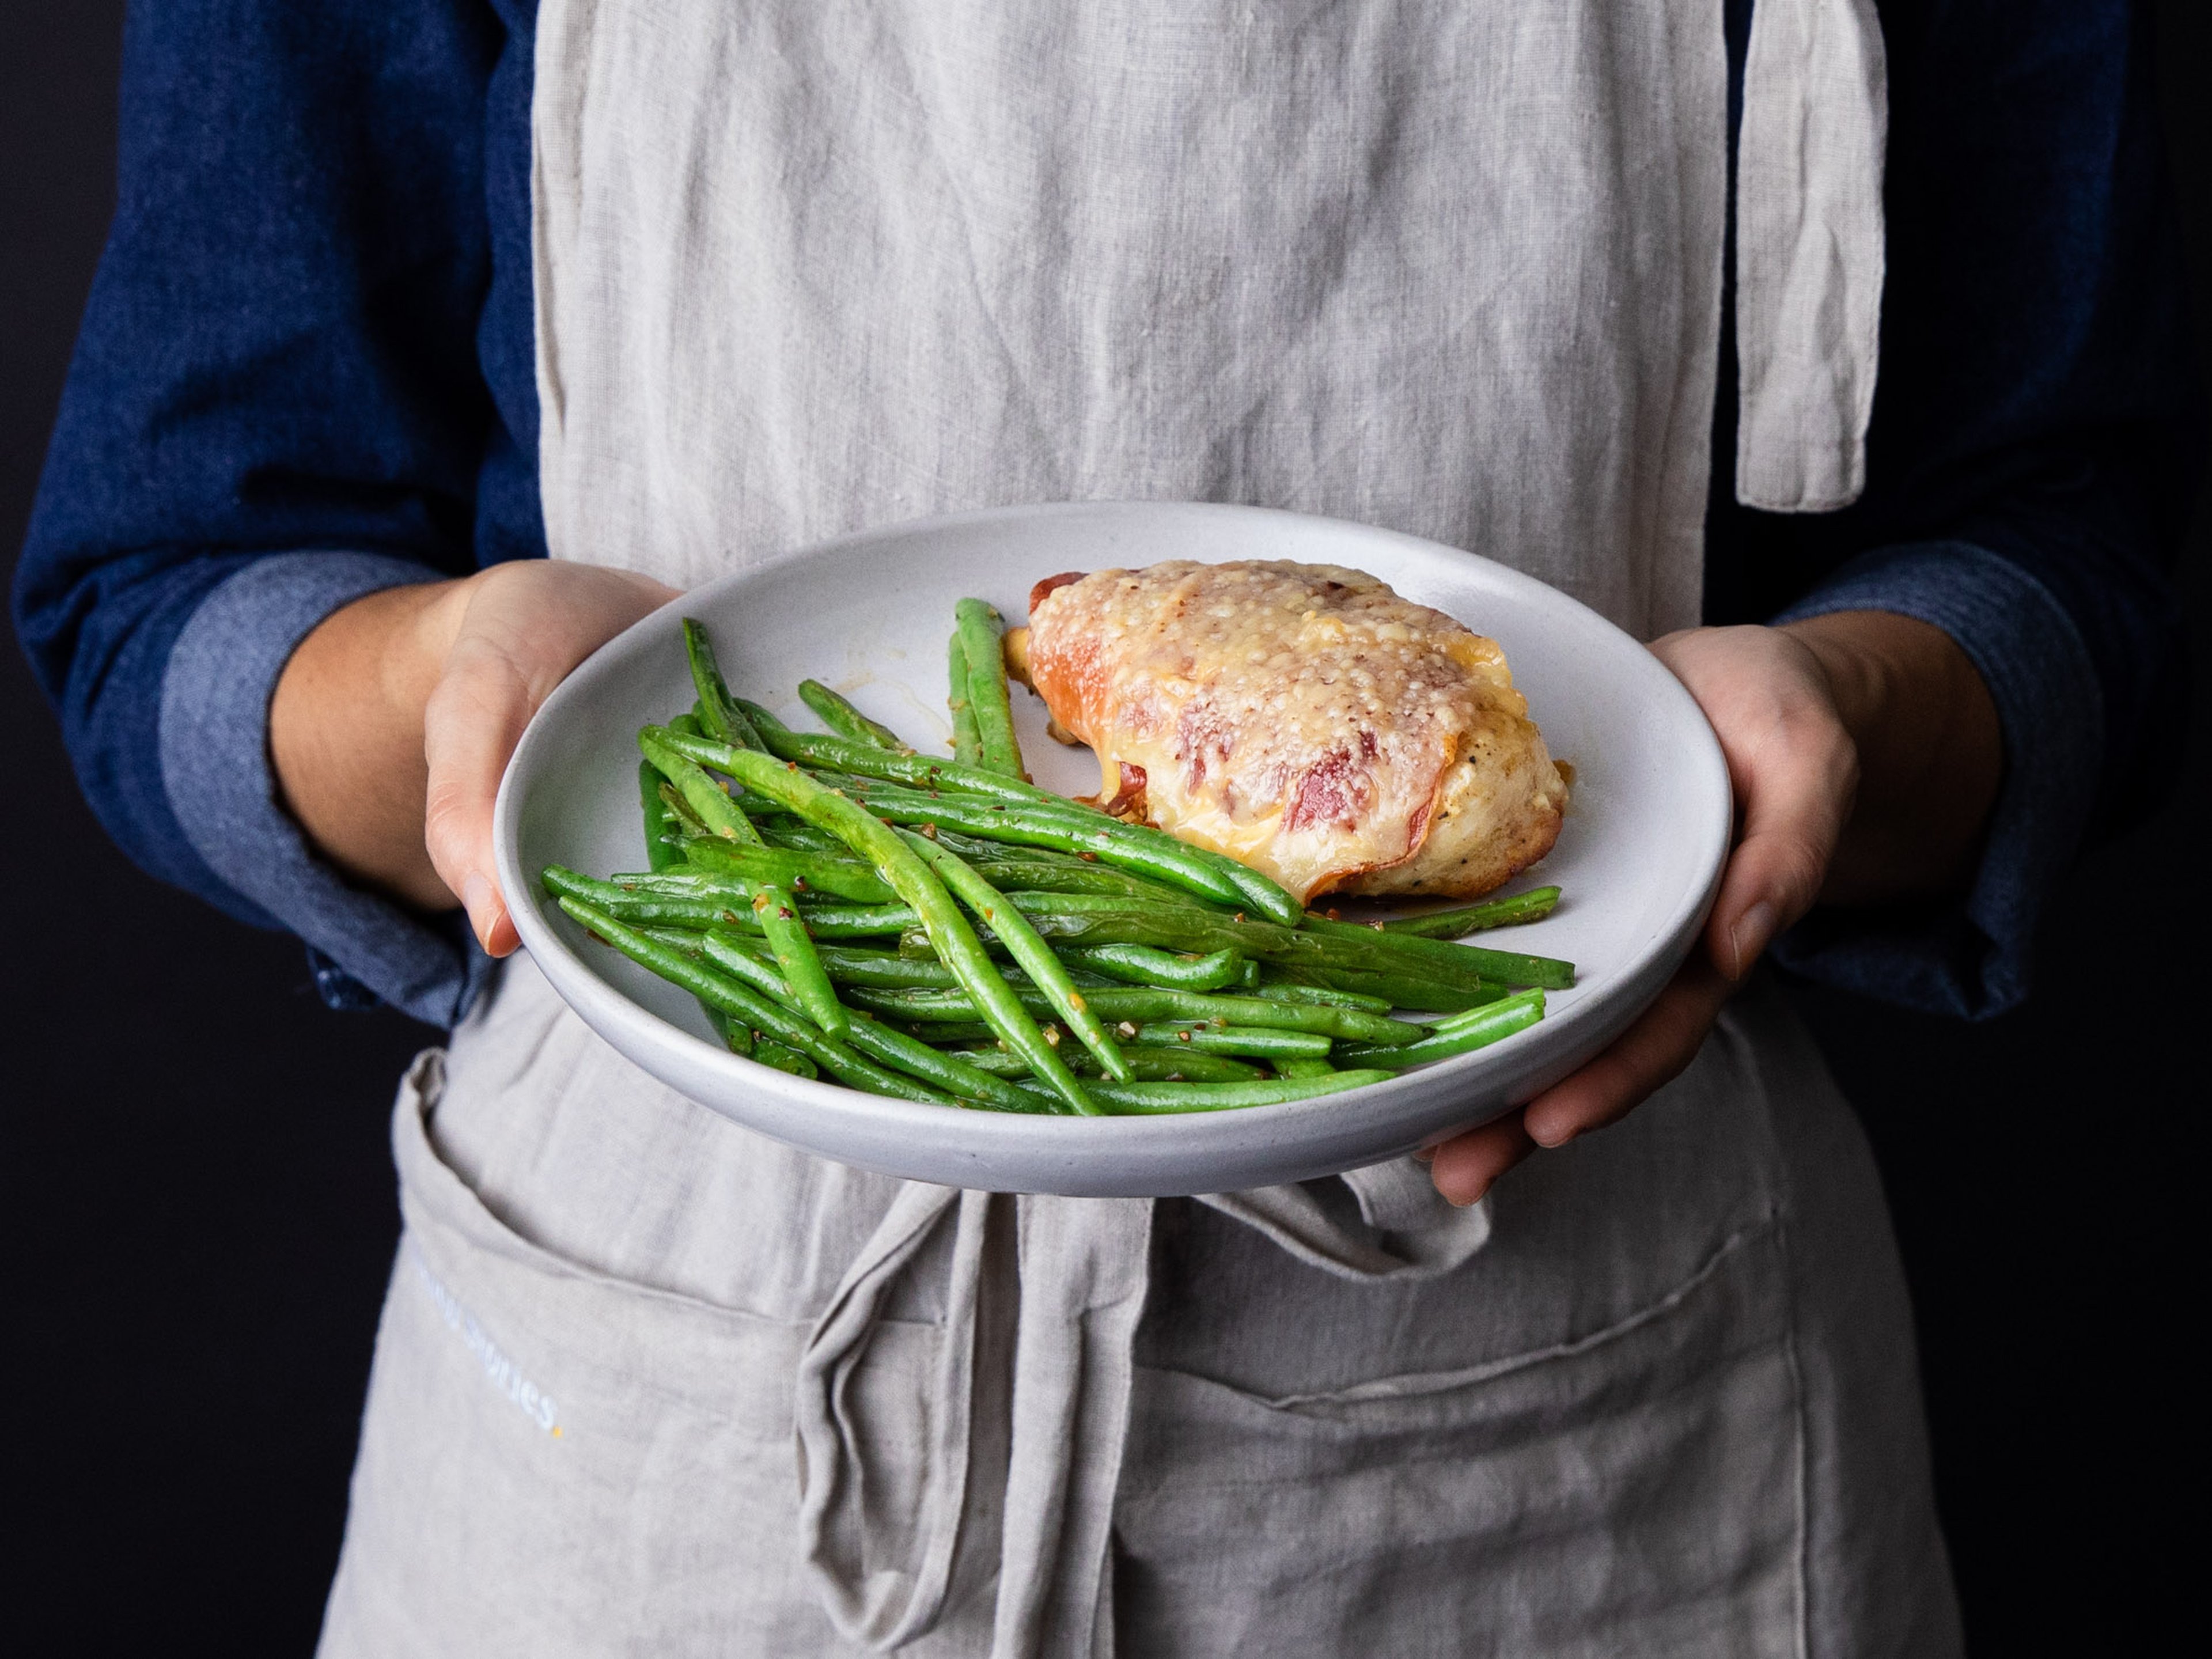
column 1303, row 718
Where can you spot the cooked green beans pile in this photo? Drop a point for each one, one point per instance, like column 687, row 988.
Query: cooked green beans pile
column 942, row 929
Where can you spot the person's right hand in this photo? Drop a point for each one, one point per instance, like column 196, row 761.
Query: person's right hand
column 394, row 718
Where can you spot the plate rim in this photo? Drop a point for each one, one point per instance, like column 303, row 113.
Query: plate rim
column 1530, row 1059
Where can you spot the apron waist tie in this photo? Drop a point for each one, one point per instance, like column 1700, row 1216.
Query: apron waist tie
column 886, row 1552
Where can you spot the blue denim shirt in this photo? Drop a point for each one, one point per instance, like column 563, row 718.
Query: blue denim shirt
column 305, row 373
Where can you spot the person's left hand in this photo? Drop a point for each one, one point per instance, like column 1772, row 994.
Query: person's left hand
column 1798, row 711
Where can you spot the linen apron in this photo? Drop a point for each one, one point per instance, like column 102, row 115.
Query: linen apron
column 647, row 1382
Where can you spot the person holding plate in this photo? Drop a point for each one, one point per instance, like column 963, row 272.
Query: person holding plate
column 401, row 298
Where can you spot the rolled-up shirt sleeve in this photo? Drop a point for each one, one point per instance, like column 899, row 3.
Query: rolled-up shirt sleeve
column 276, row 406
column 2032, row 459
column 1969, row 955
column 215, row 769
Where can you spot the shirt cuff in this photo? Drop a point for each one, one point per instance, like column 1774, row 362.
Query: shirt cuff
column 1970, row 957
column 215, row 769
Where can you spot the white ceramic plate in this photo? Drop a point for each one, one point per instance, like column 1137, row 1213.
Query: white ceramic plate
column 1639, row 857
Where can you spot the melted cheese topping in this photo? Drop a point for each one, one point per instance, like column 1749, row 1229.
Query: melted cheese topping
column 1300, row 718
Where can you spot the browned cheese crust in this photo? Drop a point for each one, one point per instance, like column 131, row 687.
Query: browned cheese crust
column 1303, row 718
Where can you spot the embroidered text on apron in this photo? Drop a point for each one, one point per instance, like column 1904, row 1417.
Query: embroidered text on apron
column 1449, row 268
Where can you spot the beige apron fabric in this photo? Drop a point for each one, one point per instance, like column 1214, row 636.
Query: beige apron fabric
column 647, row 1382
column 1809, row 261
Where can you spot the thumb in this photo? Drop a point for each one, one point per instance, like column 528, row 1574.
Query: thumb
column 470, row 725
column 1797, row 778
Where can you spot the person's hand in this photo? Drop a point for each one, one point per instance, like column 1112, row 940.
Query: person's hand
column 393, row 720
column 1864, row 753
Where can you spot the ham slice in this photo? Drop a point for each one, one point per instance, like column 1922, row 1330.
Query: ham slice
column 1303, row 718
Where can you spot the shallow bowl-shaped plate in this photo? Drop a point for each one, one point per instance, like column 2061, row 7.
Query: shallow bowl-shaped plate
column 1639, row 857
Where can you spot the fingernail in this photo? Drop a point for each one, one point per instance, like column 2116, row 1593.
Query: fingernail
column 1551, row 1139
column 481, row 900
column 1466, row 1203
column 1750, row 935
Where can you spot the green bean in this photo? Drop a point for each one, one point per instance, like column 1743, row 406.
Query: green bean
column 800, row 836
column 770, row 1053
column 982, row 633
column 922, row 1007
column 688, row 825
column 840, row 716
column 687, row 821
column 661, row 851
column 887, row 969
column 1398, row 990
column 1134, row 1005
column 849, row 763
column 1215, row 873
column 1149, row 1098
column 1233, row 883
column 719, row 713
column 1070, row 876
column 836, row 921
column 824, row 921
column 973, row 847
column 1199, row 868
column 1403, row 950
column 1140, row 964
column 1322, row 994
column 741, row 1002
column 1089, row 918
column 785, row 930
column 773, row 909
column 1473, row 1018
column 709, row 801
column 897, row 863
column 1018, row 812
column 737, row 1037
column 1354, row 1024
column 686, row 883
column 1146, row 1065
column 1476, row 1030
column 1030, row 817
column 967, row 741
column 958, row 1030
column 1046, row 971
column 953, row 1072
column 1461, row 919
column 1258, row 1042
column 1291, row 1066
column 815, row 873
column 764, row 722
column 1262, row 892
column 902, row 1053
column 638, row 909
column 1147, row 851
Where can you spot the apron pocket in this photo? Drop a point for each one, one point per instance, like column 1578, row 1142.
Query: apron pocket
column 556, row 1460
column 1637, row 1490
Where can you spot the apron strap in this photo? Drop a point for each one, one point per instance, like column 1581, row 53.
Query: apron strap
column 1808, row 252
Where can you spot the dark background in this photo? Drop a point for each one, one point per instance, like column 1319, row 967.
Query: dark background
column 198, row 1201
